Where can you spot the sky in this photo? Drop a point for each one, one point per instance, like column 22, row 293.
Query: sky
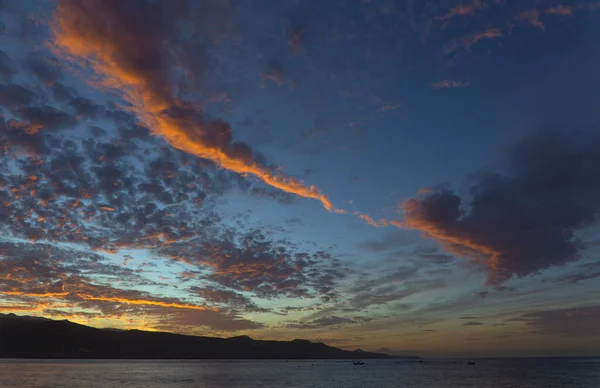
column 412, row 177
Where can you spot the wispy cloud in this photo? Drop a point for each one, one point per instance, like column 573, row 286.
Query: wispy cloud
column 462, row 10
column 446, row 84
column 564, row 10
column 532, row 17
column 467, row 41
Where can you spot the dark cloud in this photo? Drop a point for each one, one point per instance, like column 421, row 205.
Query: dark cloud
column 389, row 289
column 44, row 276
column 46, row 117
column 433, row 255
column 392, row 240
column 192, row 321
column 331, row 321
column 14, row 96
column 472, row 323
column 46, row 69
column 584, row 272
column 526, row 219
column 14, row 137
column 7, row 66
column 572, row 322
column 228, row 299
column 83, row 106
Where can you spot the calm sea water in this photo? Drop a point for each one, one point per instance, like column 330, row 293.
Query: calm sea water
column 513, row 373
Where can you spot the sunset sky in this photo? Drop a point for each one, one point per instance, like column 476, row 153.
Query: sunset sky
column 409, row 176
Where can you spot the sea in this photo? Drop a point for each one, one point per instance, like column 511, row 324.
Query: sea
column 435, row 373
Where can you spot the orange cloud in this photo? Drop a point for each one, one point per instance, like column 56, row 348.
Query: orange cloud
column 141, row 302
column 91, row 30
column 13, row 308
column 416, row 217
column 35, row 294
column 381, row 223
column 144, row 302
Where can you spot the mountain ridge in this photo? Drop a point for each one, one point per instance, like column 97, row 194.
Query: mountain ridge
column 38, row 337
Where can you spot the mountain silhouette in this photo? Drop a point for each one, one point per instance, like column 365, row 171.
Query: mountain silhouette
column 35, row 337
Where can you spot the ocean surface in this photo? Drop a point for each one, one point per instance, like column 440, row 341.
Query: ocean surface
column 487, row 373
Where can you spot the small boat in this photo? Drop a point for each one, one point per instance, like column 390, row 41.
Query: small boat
column 470, row 362
column 359, row 363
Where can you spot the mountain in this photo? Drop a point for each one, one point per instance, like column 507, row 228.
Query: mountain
column 33, row 337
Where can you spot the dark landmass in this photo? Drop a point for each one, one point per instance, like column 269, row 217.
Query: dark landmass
column 33, row 337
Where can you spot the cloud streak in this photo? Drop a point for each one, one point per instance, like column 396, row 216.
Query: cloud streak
column 130, row 45
column 447, row 84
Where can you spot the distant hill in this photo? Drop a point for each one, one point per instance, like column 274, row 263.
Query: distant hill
column 33, row 337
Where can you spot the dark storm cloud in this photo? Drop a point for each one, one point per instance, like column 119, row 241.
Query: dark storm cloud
column 572, row 322
column 524, row 220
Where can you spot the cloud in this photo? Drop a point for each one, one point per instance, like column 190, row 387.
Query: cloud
column 525, row 219
column 571, row 322
column 107, row 32
column 389, row 108
column 390, row 288
column 584, row 272
column 325, row 322
column 227, row 298
column 46, row 69
column 463, row 10
column 472, row 323
column 7, row 66
column 445, row 84
column 13, row 96
column 531, row 16
column 47, row 278
column 467, row 41
column 564, row 10
column 390, row 241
